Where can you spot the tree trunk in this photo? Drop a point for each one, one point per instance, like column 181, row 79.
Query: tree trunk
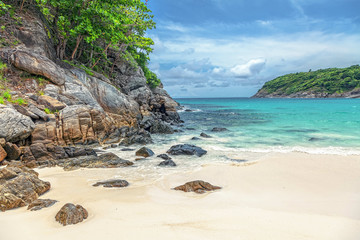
column 97, row 61
column 78, row 41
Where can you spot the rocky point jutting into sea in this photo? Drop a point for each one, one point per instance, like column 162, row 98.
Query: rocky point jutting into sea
column 69, row 111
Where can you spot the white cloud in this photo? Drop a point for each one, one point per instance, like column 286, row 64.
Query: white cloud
column 248, row 69
column 264, row 23
column 193, row 60
column 218, row 70
column 174, row 27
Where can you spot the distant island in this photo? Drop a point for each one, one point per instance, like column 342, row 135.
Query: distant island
column 323, row 83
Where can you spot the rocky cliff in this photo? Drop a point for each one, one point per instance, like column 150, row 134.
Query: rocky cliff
column 49, row 103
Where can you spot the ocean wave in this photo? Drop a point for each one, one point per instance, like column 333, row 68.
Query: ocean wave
column 342, row 151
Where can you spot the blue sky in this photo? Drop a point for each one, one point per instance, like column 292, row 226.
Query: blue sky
column 229, row 48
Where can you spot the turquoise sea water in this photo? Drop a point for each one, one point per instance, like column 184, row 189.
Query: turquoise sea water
column 309, row 125
column 256, row 128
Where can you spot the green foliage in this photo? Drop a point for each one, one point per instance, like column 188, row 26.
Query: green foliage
column 86, row 29
column 7, row 95
column 2, row 100
column 20, row 101
column 330, row 81
column 4, row 8
column 142, row 60
column 3, row 67
column 3, row 80
column 47, row 111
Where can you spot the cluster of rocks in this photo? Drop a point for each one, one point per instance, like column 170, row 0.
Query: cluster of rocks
column 19, row 186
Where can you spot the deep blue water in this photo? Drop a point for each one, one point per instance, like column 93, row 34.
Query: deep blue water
column 277, row 124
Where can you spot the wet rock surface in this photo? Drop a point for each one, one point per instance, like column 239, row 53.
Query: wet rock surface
column 71, row 214
column 144, row 152
column 164, row 156
column 115, row 183
column 219, row 129
column 197, row 186
column 39, row 204
column 186, row 149
column 195, row 138
column 204, row 135
column 107, row 160
column 19, row 186
column 167, row 163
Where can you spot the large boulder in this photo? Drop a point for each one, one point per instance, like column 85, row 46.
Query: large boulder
column 71, row 214
column 39, row 65
column 186, row 149
column 13, row 125
column 19, row 186
column 197, row 186
column 155, row 126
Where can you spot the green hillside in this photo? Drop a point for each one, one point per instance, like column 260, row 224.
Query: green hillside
column 331, row 80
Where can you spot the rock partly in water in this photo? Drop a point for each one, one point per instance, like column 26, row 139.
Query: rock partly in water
column 219, row 129
column 19, row 186
column 186, row 149
column 144, row 152
column 136, row 137
column 164, row 156
column 112, row 183
column 73, row 152
column 197, row 186
column 39, row 204
column 127, row 149
column 71, row 214
column 195, row 138
column 107, row 160
column 204, row 135
column 167, row 163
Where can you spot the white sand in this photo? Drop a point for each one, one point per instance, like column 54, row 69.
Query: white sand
column 283, row 196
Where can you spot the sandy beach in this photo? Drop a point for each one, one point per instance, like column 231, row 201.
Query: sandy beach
column 281, row 196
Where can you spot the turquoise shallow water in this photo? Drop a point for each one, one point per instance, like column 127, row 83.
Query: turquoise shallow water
column 256, row 128
column 309, row 125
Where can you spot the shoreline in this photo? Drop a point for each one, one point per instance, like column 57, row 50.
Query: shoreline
column 281, row 196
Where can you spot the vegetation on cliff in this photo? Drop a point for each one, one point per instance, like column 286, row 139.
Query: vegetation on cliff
column 328, row 81
column 94, row 34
